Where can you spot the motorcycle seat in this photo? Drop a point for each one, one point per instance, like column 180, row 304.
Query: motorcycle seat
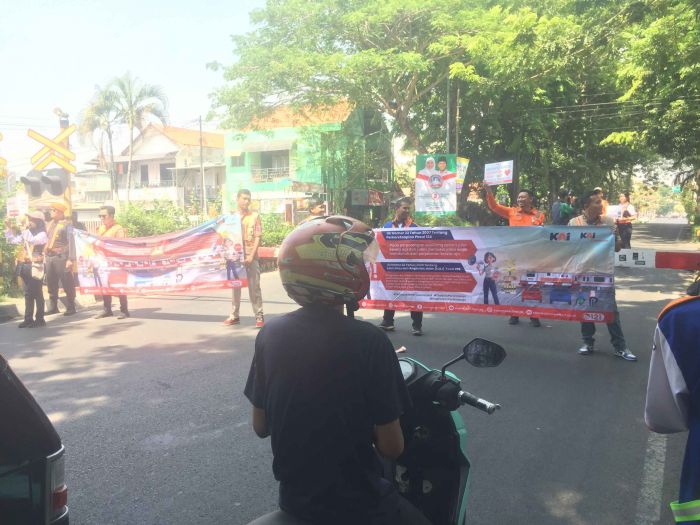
column 278, row 517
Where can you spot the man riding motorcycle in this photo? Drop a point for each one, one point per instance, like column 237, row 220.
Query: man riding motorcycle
column 327, row 387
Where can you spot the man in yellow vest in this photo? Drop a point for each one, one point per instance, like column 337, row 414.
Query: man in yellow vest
column 110, row 228
column 252, row 232
column 59, row 255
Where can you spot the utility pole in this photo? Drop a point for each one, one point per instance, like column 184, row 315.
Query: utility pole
column 63, row 124
column 457, row 126
column 447, row 140
column 201, row 169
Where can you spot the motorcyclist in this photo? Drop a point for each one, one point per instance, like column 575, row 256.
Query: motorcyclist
column 327, row 388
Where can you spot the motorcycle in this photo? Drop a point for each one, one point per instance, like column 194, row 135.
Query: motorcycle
column 433, row 470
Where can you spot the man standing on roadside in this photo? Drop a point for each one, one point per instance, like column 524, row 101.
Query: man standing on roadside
column 110, row 228
column 402, row 219
column 561, row 210
column 593, row 216
column 522, row 215
column 252, row 233
column 58, row 256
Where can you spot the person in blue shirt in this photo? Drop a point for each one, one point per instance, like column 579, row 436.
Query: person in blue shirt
column 402, row 219
column 673, row 394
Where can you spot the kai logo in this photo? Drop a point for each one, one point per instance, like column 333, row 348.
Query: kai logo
column 588, row 235
column 560, row 236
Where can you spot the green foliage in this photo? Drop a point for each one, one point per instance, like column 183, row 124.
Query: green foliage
column 576, row 93
column 274, row 229
column 160, row 217
column 8, row 283
column 448, row 219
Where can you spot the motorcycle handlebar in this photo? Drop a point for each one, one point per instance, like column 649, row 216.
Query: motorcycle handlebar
column 470, row 399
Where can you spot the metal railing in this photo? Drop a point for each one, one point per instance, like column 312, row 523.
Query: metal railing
column 137, row 184
column 268, row 174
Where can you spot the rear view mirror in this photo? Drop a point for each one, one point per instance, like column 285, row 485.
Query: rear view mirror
column 482, row 353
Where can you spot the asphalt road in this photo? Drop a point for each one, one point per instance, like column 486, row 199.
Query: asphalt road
column 157, row 430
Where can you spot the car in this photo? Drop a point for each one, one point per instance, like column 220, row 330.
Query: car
column 32, row 459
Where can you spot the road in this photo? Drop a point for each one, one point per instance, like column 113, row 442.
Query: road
column 157, row 430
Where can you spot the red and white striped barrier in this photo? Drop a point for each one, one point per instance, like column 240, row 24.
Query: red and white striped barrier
column 658, row 259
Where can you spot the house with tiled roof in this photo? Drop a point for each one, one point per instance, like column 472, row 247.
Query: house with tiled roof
column 167, row 165
column 339, row 152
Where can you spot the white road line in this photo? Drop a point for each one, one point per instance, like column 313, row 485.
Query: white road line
column 650, row 493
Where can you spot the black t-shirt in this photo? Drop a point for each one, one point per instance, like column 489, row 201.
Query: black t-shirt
column 324, row 381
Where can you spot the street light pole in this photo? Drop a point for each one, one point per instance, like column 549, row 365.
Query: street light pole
column 201, row 169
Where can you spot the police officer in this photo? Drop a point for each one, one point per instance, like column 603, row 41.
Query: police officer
column 673, row 394
column 59, row 257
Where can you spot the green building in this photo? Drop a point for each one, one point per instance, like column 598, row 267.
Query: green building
column 339, row 152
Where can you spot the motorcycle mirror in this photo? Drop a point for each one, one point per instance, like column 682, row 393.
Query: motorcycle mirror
column 482, row 353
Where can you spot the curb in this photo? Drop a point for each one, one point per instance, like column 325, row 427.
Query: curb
column 11, row 310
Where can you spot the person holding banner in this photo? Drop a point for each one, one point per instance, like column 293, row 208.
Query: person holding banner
column 31, row 265
column 402, row 219
column 59, row 256
column 524, row 214
column 592, row 215
column 110, row 228
column 252, row 232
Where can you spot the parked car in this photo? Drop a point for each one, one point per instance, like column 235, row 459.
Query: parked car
column 32, row 469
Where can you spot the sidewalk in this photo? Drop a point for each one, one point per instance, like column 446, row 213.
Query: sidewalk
column 13, row 307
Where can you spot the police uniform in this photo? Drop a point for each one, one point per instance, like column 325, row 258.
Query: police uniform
column 57, row 252
column 673, row 394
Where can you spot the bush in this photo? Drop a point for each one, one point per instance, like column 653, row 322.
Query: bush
column 429, row 220
column 274, row 229
column 161, row 217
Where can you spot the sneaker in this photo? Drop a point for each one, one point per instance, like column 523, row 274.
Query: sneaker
column 52, row 311
column 25, row 324
column 259, row 322
column 103, row 314
column 69, row 312
column 231, row 321
column 586, row 349
column 387, row 325
column 417, row 330
column 123, row 315
column 625, row 354
column 535, row 322
column 513, row 320
column 38, row 322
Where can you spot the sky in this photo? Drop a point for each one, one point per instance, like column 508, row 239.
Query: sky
column 54, row 52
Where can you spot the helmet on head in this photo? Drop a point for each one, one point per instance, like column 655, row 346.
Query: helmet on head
column 323, row 261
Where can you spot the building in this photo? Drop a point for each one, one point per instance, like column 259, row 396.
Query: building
column 166, row 166
column 338, row 152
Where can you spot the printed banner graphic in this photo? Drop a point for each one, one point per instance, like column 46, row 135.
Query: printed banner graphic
column 563, row 273
column 209, row 256
column 436, row 183
column 498, row 173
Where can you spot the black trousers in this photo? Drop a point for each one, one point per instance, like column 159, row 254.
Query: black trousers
column 123, row 303
column 33, row 294
column 416, row 317
column 56, row 272
column 625, row 231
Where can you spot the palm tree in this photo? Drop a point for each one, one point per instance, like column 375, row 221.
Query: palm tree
column 137, row 104
column 98, row 121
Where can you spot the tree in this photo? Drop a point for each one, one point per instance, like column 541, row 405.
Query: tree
column 137, row 104
column 386, row 56
column 98, row 122
column 660, row 75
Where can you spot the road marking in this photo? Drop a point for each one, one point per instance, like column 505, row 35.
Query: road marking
column 650, row 492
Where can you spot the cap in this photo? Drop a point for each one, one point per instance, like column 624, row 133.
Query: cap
column 36, row 215
column 597, row 188
column 59, row 206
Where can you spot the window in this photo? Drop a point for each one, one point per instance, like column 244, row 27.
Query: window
column 237, row 161
column 21, row 490
column 167, row 174
column 144, row 175
column 275, row 159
